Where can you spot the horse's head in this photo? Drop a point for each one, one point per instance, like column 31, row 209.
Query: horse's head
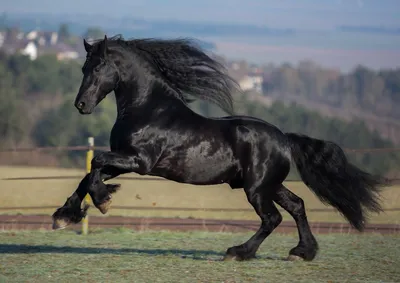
column 100, row 77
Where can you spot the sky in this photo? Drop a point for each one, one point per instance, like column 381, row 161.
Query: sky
column 308, row 14
column 314, row 20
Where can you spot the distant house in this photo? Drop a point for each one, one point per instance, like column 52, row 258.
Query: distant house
column 10, row 35
column 251, row 82
column 2, row 37
column 24, row 47
column 30, row 50
column 37, row 43
column 43, row 38
column 79, row 48
column 13, row 34
column 62, row 51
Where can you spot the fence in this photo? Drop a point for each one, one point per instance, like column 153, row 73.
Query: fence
column 90, row 148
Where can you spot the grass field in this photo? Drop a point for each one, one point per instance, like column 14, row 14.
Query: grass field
column 24, row 193
column 127, row 256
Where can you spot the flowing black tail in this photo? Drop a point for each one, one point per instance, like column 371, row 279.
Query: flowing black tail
column 324, row 168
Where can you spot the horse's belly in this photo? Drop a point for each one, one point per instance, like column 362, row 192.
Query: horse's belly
column 207, row 162
column 199, row 173
column 209, row 173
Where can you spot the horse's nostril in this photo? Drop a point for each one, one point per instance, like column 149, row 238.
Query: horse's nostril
column 81, row 105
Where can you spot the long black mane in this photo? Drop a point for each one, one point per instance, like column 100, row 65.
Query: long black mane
column 186, row 68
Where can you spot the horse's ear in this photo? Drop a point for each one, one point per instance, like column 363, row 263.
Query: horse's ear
column 104, row 46
column 88, row 47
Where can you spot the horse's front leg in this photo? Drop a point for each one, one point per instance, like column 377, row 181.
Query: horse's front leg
column 71, row 211
column 105, row 166
column 108, row 165
column 100, row 192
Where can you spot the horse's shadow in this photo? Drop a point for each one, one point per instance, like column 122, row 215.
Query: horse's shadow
column 206, row 255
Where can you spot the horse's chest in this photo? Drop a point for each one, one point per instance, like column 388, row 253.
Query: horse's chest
column 123, row 137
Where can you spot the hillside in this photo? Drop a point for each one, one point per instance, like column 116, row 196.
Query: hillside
column 372, row 96
column 387, row 127
column 44, row 90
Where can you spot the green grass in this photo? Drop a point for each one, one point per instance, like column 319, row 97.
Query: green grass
column 119, row 255
column 159, row 194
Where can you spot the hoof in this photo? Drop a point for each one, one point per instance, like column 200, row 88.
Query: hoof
column 105, row 205
column 59, row 224
column 65, row 216
column 294, row 258
column 238, row 253
column 237, row 258
column 229, row 258
column 303, row 253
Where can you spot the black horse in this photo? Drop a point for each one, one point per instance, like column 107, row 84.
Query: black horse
column 156, row 133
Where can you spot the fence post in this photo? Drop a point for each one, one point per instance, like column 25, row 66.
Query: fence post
column 87, row 200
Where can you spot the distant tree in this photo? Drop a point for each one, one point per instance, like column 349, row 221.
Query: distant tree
column 3, row 21
column 11, row 106
column 63, row 32
column 45, row 90
column 94, row 33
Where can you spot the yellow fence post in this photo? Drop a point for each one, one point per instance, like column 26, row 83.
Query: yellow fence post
column 87, row 199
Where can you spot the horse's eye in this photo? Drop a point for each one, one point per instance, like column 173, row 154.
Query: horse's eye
column 97, row 69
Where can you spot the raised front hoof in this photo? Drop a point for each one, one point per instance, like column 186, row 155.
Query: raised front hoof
column 65, row 216
column 238, row 253
column 302, row 253
column 59, row 224
column 104, row 206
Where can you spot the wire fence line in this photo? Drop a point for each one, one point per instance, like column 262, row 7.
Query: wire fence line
column 158, row 208
column 158, row 179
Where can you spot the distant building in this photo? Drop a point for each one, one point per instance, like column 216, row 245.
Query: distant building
column 30, row 50
column 37, row 43
column 61, row 50
column 43, row 38
column 24, row 47
column 251, row 82
column 2, row 37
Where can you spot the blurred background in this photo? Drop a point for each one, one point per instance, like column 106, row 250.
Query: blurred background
column 329, row 69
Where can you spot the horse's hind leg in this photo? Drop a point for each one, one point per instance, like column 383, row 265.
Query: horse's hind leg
column 260, row 198
column 307, row 247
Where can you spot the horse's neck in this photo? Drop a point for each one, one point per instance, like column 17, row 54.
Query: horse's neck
column 145, row 96
column 140, row 89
